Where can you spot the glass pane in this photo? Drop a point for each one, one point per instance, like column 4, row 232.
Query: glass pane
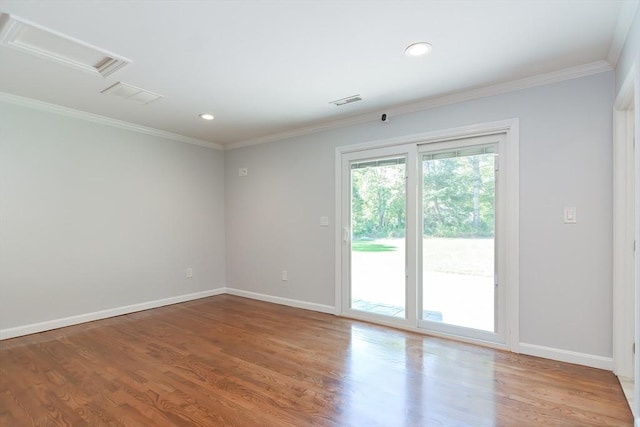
column 378, row 222
column 458, row 242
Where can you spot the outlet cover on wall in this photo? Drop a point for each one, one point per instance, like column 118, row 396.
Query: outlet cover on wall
column 243, row 172
column 189, row 273
column 285, row 275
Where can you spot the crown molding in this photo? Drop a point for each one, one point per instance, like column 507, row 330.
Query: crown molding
column 507, row 87
column 96, row 118
column 439, row 101
column 307, row 130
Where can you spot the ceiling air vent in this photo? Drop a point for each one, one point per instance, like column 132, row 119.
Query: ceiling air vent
column 108, row 65
column 132, row 93
column 33, row 39
column 347, row 100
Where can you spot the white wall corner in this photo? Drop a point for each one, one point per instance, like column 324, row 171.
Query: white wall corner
column 567, row 356
column 625, row 21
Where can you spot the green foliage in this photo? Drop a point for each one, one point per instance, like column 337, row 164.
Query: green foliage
column 458, row 198
column 378, row 202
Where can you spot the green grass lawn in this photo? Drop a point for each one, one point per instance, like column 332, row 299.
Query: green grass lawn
column 473, row 256
column 371, row 246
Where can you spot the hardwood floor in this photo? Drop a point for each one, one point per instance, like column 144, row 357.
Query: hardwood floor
column 232, row 361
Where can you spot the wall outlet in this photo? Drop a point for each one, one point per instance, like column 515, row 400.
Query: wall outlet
column 285, row 275
column 243, row 172
column 189, row 273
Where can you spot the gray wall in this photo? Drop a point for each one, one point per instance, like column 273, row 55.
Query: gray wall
column 93, row 217
column 565, row 160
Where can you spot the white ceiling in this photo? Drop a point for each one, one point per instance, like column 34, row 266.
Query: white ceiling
column 267, row 68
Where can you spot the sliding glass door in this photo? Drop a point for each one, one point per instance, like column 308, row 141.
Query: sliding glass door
column 458, row 237
column 420, row 236
column 378, row 202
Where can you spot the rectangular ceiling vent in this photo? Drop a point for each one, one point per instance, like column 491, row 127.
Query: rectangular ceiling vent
column 347, row 100
column 33, row 39
column 132, row 93
column 109, row 65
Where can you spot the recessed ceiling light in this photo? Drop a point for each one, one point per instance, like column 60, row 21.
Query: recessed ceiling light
column 418, row 49
column 206, row 116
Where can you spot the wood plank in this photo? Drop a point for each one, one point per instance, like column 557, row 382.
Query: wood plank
column 227, row 360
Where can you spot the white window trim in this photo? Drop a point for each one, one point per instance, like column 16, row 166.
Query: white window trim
column 511, row 153
column 409, row 152
column 499, row 336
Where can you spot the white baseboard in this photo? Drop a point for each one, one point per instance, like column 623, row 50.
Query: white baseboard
column 568, row 356
column 530, row 349
column 282, row 301
column 102, row 314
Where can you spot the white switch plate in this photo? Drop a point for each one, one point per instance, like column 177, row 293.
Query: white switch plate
column 570, row 215
column 243, row 172
column 285, row 276
column 324, row 221
column 189, row 273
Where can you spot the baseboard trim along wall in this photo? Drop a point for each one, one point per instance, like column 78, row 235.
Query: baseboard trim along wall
column 599, row 362
column 282, row 301
column 568, row 356
column 102, row 314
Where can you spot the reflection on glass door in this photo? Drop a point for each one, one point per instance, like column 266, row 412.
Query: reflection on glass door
column 378, row 227
column 458, row 242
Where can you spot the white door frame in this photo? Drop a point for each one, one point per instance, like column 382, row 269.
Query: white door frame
column 512, row 179
column 626, row 183
column 636, row 97
column 407, row 151
column 499, row 336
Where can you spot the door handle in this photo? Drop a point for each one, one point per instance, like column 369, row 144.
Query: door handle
column 345, row 234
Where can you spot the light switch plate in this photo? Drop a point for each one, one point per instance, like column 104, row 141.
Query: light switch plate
column 243, row 172
column 324, row 221
column 570, row 215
